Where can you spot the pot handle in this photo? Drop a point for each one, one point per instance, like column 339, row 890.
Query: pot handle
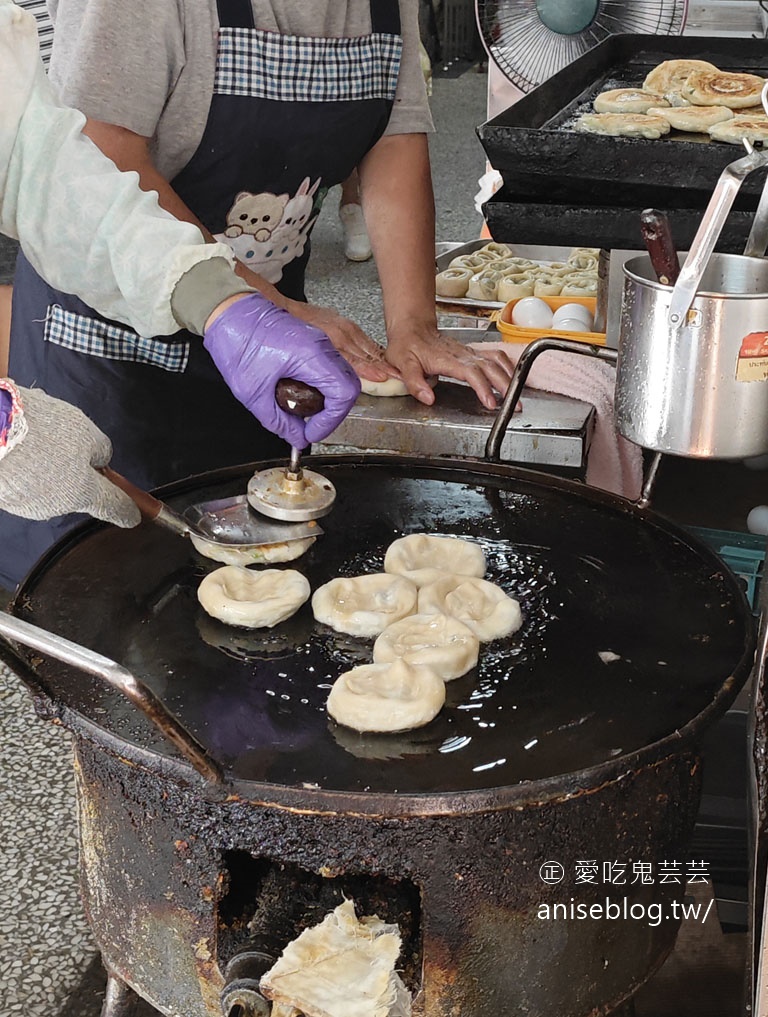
column 708, row 233
column 520, row 375
column 119, row 678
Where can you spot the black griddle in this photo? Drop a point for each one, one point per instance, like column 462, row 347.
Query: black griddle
column 630, row 630
column 534, row 141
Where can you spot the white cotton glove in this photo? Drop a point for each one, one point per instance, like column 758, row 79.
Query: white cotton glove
column 53, row 470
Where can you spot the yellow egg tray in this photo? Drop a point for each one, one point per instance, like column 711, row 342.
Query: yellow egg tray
column 512, row 333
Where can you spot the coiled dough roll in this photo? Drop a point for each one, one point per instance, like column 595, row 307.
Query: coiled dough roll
column 481, row 606
column 515, row 286
column 364, row 605
column 386, row 697
column 453, row 282
column 547, row 285
column 252, row 600
column 484, row 285
column 437, row 641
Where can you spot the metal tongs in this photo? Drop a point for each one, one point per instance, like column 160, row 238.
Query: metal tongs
column 708, row 233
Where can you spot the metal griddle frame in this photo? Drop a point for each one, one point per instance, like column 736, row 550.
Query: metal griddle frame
column 532, row 140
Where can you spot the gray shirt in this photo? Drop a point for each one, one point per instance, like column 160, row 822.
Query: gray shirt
column 149, row 66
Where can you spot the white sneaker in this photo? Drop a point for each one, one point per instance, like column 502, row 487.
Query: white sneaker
column 357, row 246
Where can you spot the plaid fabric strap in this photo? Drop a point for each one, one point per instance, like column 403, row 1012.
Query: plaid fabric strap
column 98, row 338
column 265, row 65
column 13, row 426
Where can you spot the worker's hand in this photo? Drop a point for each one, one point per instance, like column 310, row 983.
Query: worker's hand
column 419, row 353
column 365, row 355
column 254, row 344
column 53, row 469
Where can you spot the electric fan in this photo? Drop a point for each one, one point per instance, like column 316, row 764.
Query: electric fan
column 531, row 39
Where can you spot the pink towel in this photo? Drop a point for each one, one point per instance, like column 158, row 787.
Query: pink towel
column 613, row 463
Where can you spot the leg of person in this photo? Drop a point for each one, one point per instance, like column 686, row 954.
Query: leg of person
column 357, row 246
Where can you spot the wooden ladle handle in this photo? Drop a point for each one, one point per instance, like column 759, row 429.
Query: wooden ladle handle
column 150, row 507
column 657, row 236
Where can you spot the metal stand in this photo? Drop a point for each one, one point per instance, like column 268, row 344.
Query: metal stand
column 120, row 999
column 757, row 957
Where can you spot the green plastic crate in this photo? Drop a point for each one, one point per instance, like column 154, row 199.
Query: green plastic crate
column 743, row 553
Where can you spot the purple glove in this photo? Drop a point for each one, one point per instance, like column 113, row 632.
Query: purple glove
column 254, row 344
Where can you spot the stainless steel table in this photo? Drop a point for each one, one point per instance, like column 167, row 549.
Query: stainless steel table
column 552, row 431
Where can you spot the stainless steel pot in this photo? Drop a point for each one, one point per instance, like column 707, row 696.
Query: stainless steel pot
column 692, row 376
column 700, row 390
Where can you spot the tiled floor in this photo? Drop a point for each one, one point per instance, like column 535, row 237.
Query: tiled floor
column 48, row 962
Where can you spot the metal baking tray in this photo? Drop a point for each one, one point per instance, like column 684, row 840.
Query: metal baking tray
column 534, row 252
column 604, row 225
column 535, row 137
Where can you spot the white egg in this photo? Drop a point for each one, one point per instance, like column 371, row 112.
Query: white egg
column 578, row 311
column 532, row 312
column 757, row 520
column 572, row 325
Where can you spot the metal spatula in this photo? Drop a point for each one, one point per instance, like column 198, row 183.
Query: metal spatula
column 228, row 522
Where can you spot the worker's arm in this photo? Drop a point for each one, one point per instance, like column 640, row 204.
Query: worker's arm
column 400, row 215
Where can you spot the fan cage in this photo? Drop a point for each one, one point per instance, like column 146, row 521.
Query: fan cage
column 528, row 52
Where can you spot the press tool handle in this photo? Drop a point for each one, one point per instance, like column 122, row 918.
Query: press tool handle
column 301, row 400
column 657, row 236
column 297, row 398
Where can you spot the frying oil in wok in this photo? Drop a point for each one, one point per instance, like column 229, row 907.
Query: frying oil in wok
column 627, row 635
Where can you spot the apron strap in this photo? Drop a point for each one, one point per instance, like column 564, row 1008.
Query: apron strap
column 385, row 17
column 235, row 13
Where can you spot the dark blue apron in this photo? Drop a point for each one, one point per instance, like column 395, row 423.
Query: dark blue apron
column 290, row 117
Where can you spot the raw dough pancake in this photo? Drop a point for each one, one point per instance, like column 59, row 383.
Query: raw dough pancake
column 423, row 558
column 437, row 641
column 627, row 100
column 390, row 387
column 482, row 606
column 734, row 131
column 365, row 605
column 719, row 88
column 671, row 75
column 264, row 554
column 386, row 697
column 623, row 125
column 694, row 119
column 252, row 600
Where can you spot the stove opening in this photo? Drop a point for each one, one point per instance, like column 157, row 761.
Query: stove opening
column 266, row 904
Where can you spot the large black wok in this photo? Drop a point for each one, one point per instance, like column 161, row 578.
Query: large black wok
column 576, row 738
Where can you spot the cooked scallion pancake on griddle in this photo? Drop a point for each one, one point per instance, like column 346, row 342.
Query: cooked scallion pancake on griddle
column 694, row 119
column 624, row 125
column 671, row 75
column 627, row 100
column 721, row 88
column 737, row 128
